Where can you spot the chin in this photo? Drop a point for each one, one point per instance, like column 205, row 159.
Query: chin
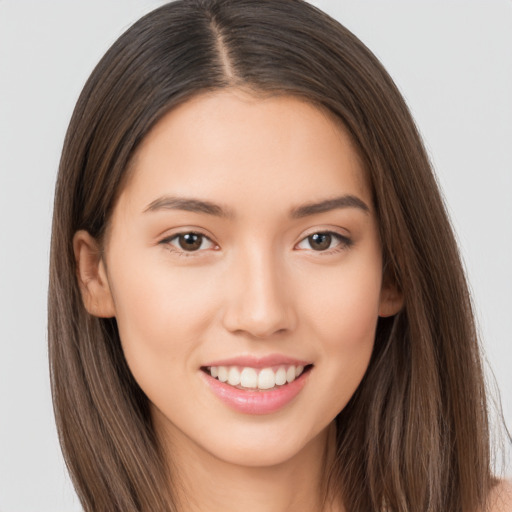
column 266, row 447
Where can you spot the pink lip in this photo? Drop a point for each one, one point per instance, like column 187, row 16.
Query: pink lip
column 259, row 362
column 255, row 402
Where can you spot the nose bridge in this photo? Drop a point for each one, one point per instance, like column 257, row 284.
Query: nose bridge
column 258, row 301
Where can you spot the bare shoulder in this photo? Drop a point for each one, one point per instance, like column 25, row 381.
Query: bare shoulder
column 500, row 499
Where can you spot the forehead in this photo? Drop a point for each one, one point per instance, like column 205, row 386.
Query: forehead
column 244, row 149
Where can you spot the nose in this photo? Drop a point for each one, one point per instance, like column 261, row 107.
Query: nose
column 258, row 301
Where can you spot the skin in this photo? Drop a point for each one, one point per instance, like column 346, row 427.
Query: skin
column 256, row 286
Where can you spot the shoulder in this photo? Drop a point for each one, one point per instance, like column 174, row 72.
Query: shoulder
column 500, row 499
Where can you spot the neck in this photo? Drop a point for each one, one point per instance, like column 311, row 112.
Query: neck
column 206, row 482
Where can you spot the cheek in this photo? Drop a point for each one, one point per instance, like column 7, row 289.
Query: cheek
column 342, row 315
column 343, row 307
column 161, row 314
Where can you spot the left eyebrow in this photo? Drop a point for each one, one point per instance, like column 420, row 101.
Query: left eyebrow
column 346, row 201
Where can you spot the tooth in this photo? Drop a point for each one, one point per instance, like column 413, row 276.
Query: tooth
column 281, row 376
column 233, row 376
column 223, row 374
column 290, row 374
column 249, row 378
column 266, row 379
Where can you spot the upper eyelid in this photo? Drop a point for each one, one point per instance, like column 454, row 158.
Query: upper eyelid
column 326, row 231
column 195, row 231
column 192, row 233
column 198, row 231
column 342, row 239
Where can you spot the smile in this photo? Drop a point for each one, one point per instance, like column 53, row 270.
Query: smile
column 256, row 387
column 254, row 378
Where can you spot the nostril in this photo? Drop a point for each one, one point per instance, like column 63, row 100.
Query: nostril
column 259, row 308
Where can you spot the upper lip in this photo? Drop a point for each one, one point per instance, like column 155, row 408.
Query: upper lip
column 259, row 361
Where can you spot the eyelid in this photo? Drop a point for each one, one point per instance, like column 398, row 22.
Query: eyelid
column 183, row 230
column 166, row 241
column 344, row 241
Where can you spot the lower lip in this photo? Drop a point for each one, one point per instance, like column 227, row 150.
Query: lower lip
column 256, row 402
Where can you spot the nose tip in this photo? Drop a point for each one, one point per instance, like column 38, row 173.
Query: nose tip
column 260, row 317
column 257, row 326
column 259, row 304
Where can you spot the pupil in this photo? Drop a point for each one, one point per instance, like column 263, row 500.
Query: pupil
column 190, row 241
column 320, row 241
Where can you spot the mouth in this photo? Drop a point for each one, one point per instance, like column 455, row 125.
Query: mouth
column 257, row 379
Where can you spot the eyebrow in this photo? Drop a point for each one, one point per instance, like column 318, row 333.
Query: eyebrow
column 346, row 201
column 189, row 205
column 209, row 208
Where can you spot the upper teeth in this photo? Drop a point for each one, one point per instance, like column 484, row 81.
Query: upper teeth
column 247, row 377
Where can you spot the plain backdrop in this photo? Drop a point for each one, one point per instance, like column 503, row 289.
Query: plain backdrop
column 451, row 59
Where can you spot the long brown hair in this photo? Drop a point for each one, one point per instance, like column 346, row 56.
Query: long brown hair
column 414, row 437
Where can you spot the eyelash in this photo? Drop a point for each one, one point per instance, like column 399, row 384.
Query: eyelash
column 181, row 252
column 343, row 243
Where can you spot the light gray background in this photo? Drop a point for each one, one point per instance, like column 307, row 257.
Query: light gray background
column 452, row 59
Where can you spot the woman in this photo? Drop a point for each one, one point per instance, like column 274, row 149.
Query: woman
column 248, row 304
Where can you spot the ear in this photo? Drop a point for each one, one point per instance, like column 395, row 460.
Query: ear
column 391, row 299
column 92, row 276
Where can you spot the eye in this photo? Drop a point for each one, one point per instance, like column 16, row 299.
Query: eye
column 189, row 242
column 324, row 241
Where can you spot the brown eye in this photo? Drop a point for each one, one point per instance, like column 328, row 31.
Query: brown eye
column 190, row 241
column 320, row 241
column 325, row 241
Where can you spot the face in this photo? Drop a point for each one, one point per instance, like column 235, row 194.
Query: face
column 244, row 246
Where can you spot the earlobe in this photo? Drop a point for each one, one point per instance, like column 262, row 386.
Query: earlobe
column 92, row 276
column 391, row 301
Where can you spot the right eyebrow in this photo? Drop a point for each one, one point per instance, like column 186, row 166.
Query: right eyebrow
column 188, row 204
